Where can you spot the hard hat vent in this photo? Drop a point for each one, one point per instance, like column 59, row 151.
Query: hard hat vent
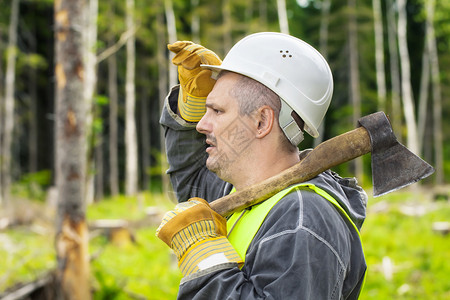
column 285, row 54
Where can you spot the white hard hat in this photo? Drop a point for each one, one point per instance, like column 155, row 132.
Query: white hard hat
column 291, row 68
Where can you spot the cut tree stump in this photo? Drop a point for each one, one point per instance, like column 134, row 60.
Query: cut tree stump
column 118, row 231
column 441, row 227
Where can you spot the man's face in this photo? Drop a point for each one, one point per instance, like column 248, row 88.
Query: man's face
column 228, row 133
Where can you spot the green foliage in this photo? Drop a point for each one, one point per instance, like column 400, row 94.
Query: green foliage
column 25, row 256
column 33, row 185
column 107, row 287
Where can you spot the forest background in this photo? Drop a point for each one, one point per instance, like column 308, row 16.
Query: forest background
column 385, row 55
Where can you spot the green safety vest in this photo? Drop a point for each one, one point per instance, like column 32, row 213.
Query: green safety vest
column 242, row 226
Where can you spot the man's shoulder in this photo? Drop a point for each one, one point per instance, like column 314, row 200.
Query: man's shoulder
column 304, row 208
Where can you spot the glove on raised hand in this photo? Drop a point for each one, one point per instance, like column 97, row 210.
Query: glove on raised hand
column 195, row 82
column 197, row 235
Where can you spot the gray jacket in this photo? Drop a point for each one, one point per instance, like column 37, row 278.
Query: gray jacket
column 305, row 249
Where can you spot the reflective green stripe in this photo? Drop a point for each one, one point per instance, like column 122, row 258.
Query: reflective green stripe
column 248, row 224
column 242, row 226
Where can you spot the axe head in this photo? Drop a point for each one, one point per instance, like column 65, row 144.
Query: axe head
column 393, row 165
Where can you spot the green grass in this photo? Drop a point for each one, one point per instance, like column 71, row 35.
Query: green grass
column 122, row 207
column 24, row 256
column 147, row 269
column 420, row 257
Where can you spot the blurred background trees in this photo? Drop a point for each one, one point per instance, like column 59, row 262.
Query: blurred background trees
column 82, row 88
column 385, row 55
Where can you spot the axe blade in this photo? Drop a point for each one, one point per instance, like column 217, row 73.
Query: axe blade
column 393, row 165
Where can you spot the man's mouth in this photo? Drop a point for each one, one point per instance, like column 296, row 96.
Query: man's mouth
column 210, row 144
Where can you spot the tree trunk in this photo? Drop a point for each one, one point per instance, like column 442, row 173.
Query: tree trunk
column 172, row 32
column 195, row 23
column 71, row 150
column 1, row 123
column 423, row 96
column 407, row 96
column 227, row 26
column 396, row 115
column 9, row 101
column 354, row 75
column 90, row 62
column 32, row 104
column 166, row 71
column 99, row 174
column 145, row 130
column 263, row 15
column 379, row 55
column 323, row 36
column 131, row 176
column 249, row 16
column 282, row 16
column 112, row 119
column 437, row 98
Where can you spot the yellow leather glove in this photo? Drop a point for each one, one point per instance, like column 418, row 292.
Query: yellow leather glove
column 197, row 235
column 195, row 82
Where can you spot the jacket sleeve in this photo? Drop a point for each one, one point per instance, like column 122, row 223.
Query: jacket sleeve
column 292, row 256
column 185, row 150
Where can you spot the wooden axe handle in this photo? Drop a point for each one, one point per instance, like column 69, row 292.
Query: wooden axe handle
column 326, row 155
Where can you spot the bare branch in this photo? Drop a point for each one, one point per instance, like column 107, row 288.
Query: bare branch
column 114, row 48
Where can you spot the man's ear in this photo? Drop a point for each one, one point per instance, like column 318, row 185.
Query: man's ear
column 265, row 118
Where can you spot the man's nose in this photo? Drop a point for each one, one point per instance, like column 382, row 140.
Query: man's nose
column 203, row 125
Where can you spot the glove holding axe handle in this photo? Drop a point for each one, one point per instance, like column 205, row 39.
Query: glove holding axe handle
column 198, row 236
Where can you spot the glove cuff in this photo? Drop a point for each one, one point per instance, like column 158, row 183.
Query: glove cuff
column 207, row 254
column 191, row 108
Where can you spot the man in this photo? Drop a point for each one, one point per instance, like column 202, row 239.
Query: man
column 302, row 243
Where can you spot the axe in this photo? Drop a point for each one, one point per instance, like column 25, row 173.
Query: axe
column 393, row 165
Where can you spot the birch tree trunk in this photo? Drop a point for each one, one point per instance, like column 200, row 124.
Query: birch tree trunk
column 90, row 62
column 323, row 36
column 354, row 74
column 423, row 95
column 162, row 91
column 8, row 129
column 172, row 32
column 407, row 96
column 282, row 16
column 437, row 97
column 396, row 115
column 170, row 70
column 131, row 176
column 379, row 55
column 112, row 120
column 71, row 150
